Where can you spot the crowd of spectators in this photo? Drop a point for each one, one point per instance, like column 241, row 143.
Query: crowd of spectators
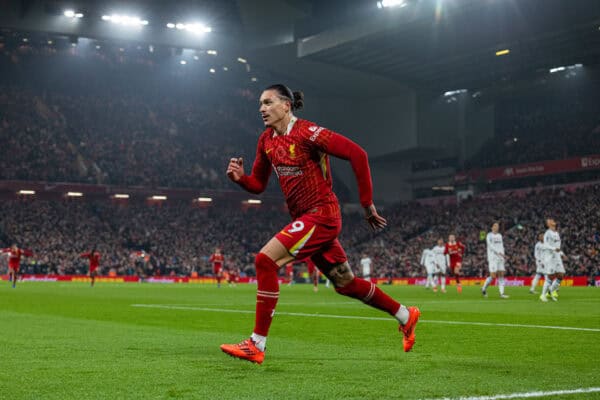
column 89, row 117
column 121, row 141
column 179, row 238
column 559, row 121
column 397, row 251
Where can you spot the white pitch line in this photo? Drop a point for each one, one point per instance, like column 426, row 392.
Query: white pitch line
column 294, row 314
column 524, row 395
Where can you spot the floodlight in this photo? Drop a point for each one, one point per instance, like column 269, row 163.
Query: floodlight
column 125, row 20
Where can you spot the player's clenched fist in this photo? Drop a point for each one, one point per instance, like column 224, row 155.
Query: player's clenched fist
column 235, row 169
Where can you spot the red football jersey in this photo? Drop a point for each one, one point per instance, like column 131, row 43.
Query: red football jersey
column 14, row 259
column 301, row 163
column 94, row 258
column 455, row 251
column 216, row 260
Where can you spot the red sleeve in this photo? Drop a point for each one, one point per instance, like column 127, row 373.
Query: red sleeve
column 344, row 148
column 5, row 250
column 27, row 253
column 257, row 181
column 83, row 255
column 446, row 248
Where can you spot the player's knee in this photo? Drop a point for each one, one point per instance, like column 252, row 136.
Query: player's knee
column 262, row 261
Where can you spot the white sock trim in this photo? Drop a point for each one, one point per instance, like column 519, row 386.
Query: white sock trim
column 402, row 315
column 259, row 340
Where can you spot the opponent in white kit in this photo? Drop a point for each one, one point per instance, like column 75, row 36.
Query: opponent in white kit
column 552, row 259
column 539, row 264
column 365, row 263
column 495, row 253
column 439, row 265
column 428, row 261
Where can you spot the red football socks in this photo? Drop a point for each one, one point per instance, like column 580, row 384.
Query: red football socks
column 267, row 293
column 370, row 294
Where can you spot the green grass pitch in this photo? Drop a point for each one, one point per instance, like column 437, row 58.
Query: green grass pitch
column 70, row 341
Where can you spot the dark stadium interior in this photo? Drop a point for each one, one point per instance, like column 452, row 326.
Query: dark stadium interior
column 420, row 87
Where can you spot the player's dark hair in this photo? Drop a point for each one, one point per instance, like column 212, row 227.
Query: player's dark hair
column 296, row 98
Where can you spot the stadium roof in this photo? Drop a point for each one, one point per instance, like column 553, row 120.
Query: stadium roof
column 452, row 44
column 436, row 45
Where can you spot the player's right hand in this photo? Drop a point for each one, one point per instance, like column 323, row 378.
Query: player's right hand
column 235, row 169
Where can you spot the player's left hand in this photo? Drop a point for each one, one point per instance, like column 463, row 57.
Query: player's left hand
column 375, row 221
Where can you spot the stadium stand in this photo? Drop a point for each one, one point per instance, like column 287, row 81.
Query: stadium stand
column 180, row 237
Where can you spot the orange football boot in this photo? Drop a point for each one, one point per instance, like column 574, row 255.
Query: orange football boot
column 245, row 350
column 408, row 329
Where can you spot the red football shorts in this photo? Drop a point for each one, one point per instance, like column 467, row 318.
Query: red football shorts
column 14, row 268
column 217, row 269
column 455, row 267
column 93, row 269
column 314, row 237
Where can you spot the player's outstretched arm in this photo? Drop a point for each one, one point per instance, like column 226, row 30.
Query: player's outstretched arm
column 344, row 148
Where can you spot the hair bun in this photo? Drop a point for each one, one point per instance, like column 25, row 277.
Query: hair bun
column 298, row 102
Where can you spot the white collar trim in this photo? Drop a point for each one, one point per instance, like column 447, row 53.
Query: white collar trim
column 289, row 127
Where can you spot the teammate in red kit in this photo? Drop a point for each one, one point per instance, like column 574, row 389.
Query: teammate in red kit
column 233, row 275
column 454, row 251
column 94, row 257
column 14, row 261
column 289, row 272
column 217, row 260
column 313, row 273
column 297, row 150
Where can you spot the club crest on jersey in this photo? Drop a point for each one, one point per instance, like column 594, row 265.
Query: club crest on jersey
column 292, row 151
